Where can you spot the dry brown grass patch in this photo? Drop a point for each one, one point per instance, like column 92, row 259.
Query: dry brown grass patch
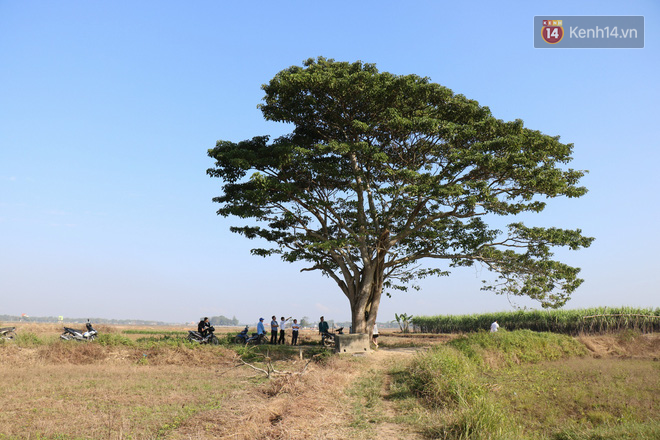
column 72, row 352
column 311, row 405
column 624, row 344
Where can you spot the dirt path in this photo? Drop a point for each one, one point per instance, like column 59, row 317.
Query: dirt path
column 383, row 360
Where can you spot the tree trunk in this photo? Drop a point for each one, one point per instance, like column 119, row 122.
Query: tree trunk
column 364, row 306
column 364, row 311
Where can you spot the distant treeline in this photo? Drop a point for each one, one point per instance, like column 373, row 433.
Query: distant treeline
column 45, row 319
column 215, row 320
column 593, row 320
column 223, row 320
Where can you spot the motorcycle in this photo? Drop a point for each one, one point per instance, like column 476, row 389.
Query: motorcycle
column 242, row 337
column 79, row 335
column 257, row 339
column 210, row 338
column 328, row 339
column 8, row 333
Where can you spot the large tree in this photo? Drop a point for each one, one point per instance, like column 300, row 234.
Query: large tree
column 382, row 171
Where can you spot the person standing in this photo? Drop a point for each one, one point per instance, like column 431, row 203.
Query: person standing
column 295, row 327
column 374, row 335
column 494, row 327
column 282, row 339
column 273, row 330
column 260, row 327
column 323, row 328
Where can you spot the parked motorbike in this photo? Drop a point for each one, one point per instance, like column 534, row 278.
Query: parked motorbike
column 242, row 337
column 257, row 339
column 79, row 335
column 8, row 333
column 328, row 338
column 210, row 338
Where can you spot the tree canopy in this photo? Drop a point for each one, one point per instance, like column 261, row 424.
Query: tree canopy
column 382, row 171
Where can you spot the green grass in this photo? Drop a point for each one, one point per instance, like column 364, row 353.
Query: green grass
column 113, row 339
column 27, row 339
column 624, row 431
column 518, row 346
column 366, row 404
column 155, row 332
column 526, row 385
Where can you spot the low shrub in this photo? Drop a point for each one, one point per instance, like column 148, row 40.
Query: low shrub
column 114, row 339
column 164, row 340
column 27, row 339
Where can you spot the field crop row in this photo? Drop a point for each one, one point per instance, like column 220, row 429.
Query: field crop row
column 590, row 321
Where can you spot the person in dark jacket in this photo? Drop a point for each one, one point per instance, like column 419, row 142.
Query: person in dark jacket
column 273, row 330
column 323, row 327
column 203, row 327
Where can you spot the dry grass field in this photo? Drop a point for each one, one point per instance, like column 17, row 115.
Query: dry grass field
column 67, row 390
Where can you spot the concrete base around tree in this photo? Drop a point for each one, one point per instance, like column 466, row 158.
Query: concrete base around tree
column 352, row 343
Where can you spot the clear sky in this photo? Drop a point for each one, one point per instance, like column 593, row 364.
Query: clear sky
column 107, row 110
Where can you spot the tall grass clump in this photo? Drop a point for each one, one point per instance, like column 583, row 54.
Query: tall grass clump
column 444, row 377
column 485, row 419
column 27, row 339
column 113, row 340
column 597, row 320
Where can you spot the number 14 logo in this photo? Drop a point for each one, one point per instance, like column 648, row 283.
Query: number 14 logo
column 552, row 34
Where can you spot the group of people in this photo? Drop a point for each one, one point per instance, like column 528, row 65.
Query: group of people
column 279, row 328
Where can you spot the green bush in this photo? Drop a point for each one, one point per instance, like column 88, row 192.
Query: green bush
column 114, row 339
column 27, row 339
column 165, row 340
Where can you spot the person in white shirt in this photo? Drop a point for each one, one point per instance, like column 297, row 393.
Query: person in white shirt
column 282, row 329
column 494, row 327
column 295, row 327
column 374, row 336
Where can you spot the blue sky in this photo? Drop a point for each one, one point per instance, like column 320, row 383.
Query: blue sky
column 107, row 110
